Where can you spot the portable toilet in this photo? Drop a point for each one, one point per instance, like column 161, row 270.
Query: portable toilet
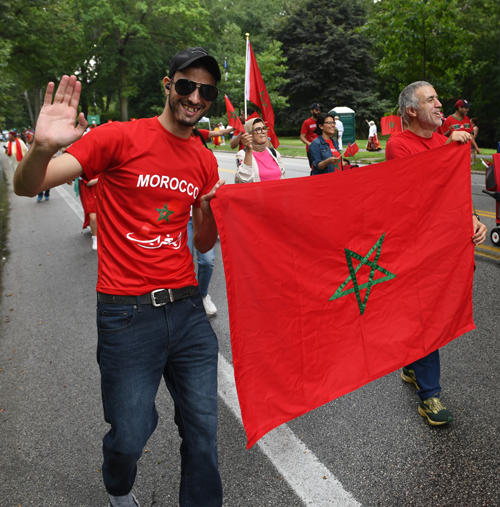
column 346, row 116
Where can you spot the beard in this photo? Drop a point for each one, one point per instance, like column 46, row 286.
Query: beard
column 180, row 115
column 429, row 118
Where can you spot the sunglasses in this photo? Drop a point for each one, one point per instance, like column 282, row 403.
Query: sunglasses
column 328, row 123
column 187, row 87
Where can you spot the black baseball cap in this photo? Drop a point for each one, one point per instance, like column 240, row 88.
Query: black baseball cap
column 186, row 57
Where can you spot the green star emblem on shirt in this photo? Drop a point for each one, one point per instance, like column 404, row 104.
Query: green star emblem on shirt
column 164, row 213
column 363, row 261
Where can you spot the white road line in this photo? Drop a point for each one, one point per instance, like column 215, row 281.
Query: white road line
column 308, row 477
column 74, row 205
column 313, row 483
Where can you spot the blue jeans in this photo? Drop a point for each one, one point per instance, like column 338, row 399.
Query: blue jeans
column 205, row 261
column 427, row 372
column 137, row 346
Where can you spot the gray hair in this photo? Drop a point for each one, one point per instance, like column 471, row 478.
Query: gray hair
column 407, row 98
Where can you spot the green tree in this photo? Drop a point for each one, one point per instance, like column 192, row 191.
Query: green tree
column 329, row 61
column 480, row 83
column 41, row 39
column 421, row 40
column 129, row 37
column 231, row 48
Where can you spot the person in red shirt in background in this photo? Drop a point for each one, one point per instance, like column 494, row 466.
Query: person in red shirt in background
column 150, row 317
column 459, row 121
column 420, row 108
column 308, row 130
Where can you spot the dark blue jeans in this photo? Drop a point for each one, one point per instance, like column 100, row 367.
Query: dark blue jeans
column 137, row 346
column 427, row 372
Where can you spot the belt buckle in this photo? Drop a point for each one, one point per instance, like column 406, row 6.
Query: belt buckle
column 153, row 297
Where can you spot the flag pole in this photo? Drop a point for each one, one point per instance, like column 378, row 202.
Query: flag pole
column 247, row 72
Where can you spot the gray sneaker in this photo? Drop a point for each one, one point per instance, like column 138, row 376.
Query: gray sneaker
column 123, row 501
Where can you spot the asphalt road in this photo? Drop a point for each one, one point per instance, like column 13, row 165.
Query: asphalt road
column 368, row 448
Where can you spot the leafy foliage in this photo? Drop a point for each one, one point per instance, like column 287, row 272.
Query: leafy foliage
column 329, row 61
column 231, row 48
column 357, row 53
column 421, row 40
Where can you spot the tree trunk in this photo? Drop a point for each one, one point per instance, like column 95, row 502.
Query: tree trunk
column 38, row 101
column 123, row 86
column 84, row 105
column 26, row 96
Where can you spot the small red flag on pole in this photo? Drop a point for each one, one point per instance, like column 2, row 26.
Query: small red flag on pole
column 352, row 149
column 232, row 117
column 256, row 92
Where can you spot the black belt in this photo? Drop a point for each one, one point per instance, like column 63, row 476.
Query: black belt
column 157, row 297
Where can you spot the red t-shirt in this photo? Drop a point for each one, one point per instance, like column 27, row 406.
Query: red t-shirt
column 308, row 128
column 204, row 133
column 456, row 124
column 148, row 181
column 407, row 143
column 338, row 165
column 335, row 153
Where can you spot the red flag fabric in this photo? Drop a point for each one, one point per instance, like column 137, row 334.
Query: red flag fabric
column 257, row 93
column 336, row 280
column 391, row 124
column 492, row 181
column 232, row 117
column 352, row 149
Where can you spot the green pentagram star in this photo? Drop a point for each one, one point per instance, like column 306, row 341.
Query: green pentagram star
column 232, row 115
column 164, row 213
column 349, row 254
column 391, row 124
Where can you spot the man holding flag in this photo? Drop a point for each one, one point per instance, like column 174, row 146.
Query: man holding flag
column 420, row 108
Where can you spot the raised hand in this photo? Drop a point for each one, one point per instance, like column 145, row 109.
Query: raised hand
column 460, row 136
column 55, row 127
column 247, row 141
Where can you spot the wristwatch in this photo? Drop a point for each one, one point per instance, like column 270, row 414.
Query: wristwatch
column 476, row 215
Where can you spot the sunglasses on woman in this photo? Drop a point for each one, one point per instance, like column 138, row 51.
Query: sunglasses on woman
column 187, row 87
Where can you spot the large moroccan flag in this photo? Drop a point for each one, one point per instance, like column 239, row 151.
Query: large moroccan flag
column 336, row 280
column 391, row 124
column 256, row 92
